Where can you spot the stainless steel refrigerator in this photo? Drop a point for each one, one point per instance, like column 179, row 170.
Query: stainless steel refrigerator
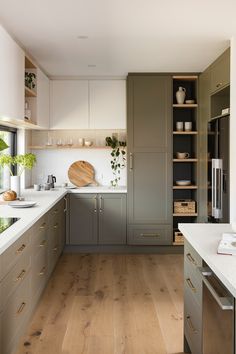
column 218, row 169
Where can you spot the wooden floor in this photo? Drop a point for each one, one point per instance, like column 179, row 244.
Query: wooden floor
column 110, row 304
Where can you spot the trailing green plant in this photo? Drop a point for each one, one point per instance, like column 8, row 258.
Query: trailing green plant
column 118, row 160
column 30, row 80
column 23, row 162
column 3, row 145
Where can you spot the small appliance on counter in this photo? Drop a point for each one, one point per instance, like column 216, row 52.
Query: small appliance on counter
column 51, row 179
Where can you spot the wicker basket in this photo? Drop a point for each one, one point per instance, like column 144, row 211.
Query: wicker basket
column 184, row 206
column 179, row 237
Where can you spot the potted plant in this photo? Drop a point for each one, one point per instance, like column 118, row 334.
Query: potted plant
column 26, row 161
column 118, row 160
column 30, row 80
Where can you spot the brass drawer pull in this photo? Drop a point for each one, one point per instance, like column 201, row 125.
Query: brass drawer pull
column 55, row 249
column 191, row 259
column 190, row 284
column 43, row 243
column 150, row 235
column 21, row 275
column 42, row 271
column 191, row 326
column 55, row 226
column 21, row 308
column 21, row 249
column 55, row 211
column 219, row 84
column 42, row 227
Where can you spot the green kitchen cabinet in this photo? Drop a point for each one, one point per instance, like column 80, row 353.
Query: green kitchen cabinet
column 220, row 72
column 97, row 219
column 149, row 155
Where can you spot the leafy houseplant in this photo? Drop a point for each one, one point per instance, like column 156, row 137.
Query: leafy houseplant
column 118, row 160
column 3, row 145
column 30, row 80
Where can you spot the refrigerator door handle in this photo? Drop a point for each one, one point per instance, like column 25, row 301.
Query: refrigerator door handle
column 217, row 188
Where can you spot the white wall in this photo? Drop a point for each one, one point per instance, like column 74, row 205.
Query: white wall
column 57, row 162
column 233, row 131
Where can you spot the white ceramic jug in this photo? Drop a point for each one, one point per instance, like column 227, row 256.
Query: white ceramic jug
column 180, row 95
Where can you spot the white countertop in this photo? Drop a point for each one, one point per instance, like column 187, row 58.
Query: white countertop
column 205, row 238
column 45, row 201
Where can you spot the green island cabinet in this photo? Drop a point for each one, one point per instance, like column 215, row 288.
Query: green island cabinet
column 97, row 219
column 149, row 159
column 25, row 268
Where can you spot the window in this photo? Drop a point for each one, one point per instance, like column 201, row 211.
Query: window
column 9, row 136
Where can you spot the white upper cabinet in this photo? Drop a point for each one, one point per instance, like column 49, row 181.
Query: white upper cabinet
column 43, row 108
column 12, row 61
column 69, row 100
column 107, row 104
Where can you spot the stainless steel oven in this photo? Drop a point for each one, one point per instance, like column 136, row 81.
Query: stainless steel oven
column 217, row 315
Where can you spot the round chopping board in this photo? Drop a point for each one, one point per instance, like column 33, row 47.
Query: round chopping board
column 81, row 174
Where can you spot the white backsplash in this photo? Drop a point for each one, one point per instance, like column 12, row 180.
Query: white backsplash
column 57, row 162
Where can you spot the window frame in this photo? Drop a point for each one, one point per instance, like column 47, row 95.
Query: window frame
column 13, row 146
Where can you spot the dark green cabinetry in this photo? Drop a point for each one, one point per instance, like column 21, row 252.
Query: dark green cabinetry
column 97, row 219
column 149, row 158
column 220, row 72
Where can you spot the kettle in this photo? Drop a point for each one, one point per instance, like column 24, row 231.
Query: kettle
column 51, row 180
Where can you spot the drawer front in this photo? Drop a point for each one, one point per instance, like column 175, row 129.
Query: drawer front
column 53, row 250
column 193, row 284
column 39, row 273
column 57, row 210
column 16, row 312
column 192, row 323
column 191, row 257
column 15, row 252
column 39, row 241
column 149, row 235
column 15, row 277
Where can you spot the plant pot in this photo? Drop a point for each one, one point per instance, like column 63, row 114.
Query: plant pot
column 15, row 185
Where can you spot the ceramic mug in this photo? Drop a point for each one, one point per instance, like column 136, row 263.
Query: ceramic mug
column 179, row 126
column 182, row 155
column 188, row 126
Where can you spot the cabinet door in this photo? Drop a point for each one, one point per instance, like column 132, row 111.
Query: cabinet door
column 42, row 99
column 220, row 72
column 83, row 219
column 112, row 219
column 69, row 104
column 12, row 78
column 107, row 104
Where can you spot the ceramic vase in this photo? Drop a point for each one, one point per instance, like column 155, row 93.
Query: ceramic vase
column 180, row 95
column 15, row 185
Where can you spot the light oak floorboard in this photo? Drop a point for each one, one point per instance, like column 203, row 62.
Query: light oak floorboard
column 110, row 304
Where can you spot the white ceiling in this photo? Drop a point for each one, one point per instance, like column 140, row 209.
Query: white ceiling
column 123, row 35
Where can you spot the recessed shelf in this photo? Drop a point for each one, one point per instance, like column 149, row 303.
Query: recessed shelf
column 185, row 160
column 54, row 147
column 185, row 214
column 185, row 133
column 185, row 105
column 29, row 92
column 185, row 77
column 185, row 187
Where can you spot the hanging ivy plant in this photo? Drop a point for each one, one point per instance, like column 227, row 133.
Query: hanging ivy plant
column 118, row 160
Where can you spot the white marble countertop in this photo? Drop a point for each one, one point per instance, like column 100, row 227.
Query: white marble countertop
column 45, row 201
column 205, row 238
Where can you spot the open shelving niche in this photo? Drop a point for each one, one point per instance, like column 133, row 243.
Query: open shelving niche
column 183, row 141
column 31, row 94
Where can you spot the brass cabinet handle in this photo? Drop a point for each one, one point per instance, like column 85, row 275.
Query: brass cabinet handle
column 21, row 308
column 42, row 271
column 21, row 275
column 55, row 211
column 21, row 248
column 55, row 226
column 65, row 209
column 191, row 326
column 43, row 243
column 190, row 284
column 191, row 259
column 219, row 84
column 55, row 249
column 150, row 235
column 130, row 161
column 42, row 227
column 95, row 204
column 100, row 204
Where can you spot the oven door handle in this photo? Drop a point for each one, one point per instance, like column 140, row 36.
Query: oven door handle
column 225, row 303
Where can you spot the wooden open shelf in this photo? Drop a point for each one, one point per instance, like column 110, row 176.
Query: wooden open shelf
column 55, row 147
column 29, row 92
column 29, row 63
column 185, row 133
column 185, row 105
column 185, row 77
column 185, row 187
column 185, row 160
column 185, row 214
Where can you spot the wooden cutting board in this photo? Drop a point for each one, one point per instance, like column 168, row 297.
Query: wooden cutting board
column 81, row 174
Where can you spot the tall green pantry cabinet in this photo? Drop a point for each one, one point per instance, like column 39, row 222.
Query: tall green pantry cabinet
column 149, row 159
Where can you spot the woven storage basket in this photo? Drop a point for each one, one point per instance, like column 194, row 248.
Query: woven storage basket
column 184, row 206
column 179, row 237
